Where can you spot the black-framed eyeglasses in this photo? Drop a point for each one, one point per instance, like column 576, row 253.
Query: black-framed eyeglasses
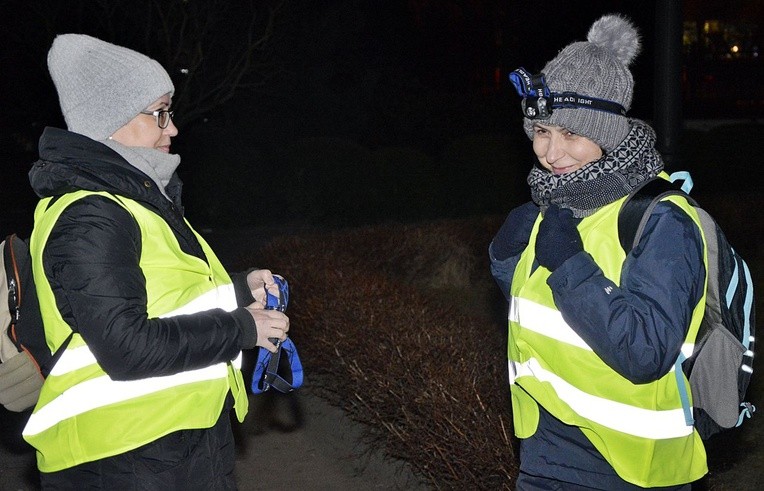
column 163, row 116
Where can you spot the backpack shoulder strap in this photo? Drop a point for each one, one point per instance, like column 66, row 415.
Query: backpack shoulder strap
column 636, row 210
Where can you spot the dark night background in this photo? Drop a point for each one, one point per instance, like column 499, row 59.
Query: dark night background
column 356, row 112
column 340, row 113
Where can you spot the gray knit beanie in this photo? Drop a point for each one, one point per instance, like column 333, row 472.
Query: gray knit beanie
column 102, row 86
column 598, row 68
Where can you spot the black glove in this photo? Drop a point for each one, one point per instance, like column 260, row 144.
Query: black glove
column 558, row 238
column 513, row 235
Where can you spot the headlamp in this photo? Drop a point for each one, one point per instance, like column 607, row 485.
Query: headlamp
column 539, row 102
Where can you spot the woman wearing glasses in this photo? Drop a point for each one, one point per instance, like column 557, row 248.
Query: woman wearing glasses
column 147, row 325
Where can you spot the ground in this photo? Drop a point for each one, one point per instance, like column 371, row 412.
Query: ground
column 295, row 442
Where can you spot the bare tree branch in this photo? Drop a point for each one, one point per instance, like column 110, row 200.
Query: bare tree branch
column 210, row 48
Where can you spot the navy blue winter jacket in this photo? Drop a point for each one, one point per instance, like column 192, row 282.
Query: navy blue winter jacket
column 647, row 319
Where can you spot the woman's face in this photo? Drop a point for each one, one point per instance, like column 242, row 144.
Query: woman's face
column 561, row 151
column 143, row 130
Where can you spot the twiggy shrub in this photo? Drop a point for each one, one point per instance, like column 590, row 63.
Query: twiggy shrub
column 382, row 335
column 402, row 326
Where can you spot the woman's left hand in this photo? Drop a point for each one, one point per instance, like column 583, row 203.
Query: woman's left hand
column 558, row 239
column 259, row 280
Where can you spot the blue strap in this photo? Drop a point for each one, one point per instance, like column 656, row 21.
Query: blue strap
column 280, row 302
column 748, row 298
column 683, row 395
column 266, row 374
column 747, row 306
column 734, row 279
column 272, row 376
column 746, row 412
column 528, row 85
column 686, row 179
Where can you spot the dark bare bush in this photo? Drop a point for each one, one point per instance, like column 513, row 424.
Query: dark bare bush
column 395, row 325
column 425, row 373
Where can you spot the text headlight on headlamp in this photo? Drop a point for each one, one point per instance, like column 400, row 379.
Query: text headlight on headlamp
column 539, row 102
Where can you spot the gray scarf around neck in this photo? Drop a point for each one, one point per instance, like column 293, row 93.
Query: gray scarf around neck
column 603, row 181
column 159, row 166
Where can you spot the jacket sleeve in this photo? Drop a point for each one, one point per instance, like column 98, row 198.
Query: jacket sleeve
column 509, row 243
column 503, row 270
column 241, row 288
column 638, row 328
column 91, row 260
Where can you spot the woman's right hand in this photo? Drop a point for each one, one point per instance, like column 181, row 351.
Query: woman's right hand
column 268, row 324
column 512, row 238
column 558, row 239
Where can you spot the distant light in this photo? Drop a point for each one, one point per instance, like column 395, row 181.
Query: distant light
column 735, row 49
column 184, row 71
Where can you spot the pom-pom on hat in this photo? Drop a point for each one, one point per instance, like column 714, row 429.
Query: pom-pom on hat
column 598, row 68
column 102, row 86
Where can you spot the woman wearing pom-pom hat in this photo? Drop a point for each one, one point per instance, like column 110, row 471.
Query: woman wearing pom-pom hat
column 594, row 333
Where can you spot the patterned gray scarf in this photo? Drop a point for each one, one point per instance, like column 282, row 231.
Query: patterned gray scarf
column 603, row 181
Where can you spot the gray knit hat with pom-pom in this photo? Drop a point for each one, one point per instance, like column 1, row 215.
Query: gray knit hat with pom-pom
column 599, row 68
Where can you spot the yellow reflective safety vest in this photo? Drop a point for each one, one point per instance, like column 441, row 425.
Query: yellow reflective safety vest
column 82, row 414
column 640, row 429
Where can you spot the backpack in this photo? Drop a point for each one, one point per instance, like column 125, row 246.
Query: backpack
column 720, row 367
column 24, row 356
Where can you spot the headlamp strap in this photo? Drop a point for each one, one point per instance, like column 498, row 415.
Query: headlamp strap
column 538, row 101
column 528, row 85
column 574, row 101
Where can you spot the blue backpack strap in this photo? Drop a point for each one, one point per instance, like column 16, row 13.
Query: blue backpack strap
column 746, row 412
column 747, row 409
column 683, row 395
column 686, row 179
column 747, row 303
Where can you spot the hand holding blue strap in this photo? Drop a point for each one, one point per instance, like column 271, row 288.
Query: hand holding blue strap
column 281, row 370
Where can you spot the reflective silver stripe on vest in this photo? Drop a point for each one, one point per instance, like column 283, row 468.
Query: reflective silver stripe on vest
column 222, row 297
column 643, row 423
column 549, row 322
column 80, row 357
column 80, row 398
column 545, row 321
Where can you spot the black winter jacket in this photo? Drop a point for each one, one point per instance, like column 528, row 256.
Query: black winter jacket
column 91, row 260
